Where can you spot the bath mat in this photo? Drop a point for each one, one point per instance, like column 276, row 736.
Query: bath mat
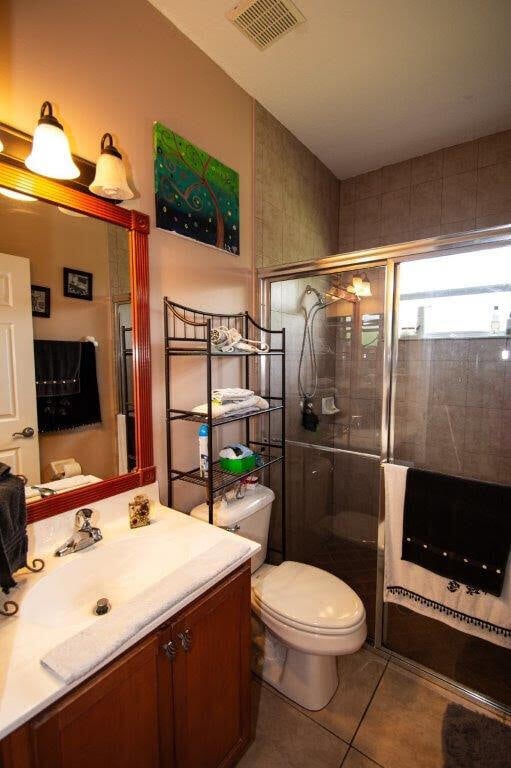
column 472, row 740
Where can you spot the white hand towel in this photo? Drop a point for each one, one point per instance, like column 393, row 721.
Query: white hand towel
column 230, row 394
column 79, row 655
column 218, row 410
column 408, row 584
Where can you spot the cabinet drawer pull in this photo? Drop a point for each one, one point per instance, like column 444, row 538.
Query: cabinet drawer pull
column 170, row 650
column 186, row 640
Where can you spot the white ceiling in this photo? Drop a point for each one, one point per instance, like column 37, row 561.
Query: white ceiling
column 365, row 83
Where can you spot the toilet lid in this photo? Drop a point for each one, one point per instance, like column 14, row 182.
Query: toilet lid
column 309, row 596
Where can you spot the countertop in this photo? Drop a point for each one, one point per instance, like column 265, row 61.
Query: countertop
column 26, row 686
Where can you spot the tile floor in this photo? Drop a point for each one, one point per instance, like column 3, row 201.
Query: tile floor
column 382, row 716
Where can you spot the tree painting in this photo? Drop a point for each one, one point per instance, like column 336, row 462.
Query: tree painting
column 196, row 195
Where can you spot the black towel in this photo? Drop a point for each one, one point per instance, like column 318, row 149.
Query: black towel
column 13, row 527
column 57, row 367
column 74, row 410
column 458, row 528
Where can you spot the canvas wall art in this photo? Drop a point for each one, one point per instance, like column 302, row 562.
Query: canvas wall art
column 196, row 195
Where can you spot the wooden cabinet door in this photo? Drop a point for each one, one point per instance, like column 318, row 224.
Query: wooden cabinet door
column 110, row 722
column 211, row 676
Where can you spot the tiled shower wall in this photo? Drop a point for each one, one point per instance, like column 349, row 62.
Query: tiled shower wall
column 453, row 406
column 296, row 198
column 457, row 189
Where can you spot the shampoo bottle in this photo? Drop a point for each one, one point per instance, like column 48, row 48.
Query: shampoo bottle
column 203, row 450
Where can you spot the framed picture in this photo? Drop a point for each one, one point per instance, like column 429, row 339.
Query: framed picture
column 40, row 301
column 196, row 195
column 77, row 284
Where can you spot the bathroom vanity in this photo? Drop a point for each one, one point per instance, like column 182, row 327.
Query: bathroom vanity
column 179, row 698
column 174, row 690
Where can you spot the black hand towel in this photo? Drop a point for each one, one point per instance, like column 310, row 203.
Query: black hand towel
column 458, row 528
column 13, row 527
column 57, row 367
column 56, row 413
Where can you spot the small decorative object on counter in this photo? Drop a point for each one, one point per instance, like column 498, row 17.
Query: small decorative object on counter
column 139, row 511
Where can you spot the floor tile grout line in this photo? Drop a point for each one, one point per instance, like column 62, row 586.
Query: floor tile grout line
column 356, row 749
column 288, row 703
column 369, row 704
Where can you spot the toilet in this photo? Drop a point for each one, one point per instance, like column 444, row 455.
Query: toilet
column 302, row 616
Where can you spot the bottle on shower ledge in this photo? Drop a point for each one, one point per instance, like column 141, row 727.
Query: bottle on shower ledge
column 508, row 325
column 495, row 320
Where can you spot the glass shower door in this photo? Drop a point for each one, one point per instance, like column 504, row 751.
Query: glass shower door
column 332, row 476
column 452, row 414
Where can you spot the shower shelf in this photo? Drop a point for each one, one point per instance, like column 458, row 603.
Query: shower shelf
column 187, row 333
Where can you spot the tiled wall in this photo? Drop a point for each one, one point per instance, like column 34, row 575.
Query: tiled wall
column 453, row 406
column 296, row 198
column 457, row 189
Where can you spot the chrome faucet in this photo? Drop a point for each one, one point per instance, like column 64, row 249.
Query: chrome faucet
column 85, row 536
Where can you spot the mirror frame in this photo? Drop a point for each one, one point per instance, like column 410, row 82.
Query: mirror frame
column 137, row 226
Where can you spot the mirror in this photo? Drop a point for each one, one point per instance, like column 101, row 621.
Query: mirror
column 66, row 345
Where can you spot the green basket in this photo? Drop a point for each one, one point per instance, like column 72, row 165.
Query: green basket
column 238, row 466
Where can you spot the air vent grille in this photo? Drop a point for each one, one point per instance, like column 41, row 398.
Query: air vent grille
column 265, row 21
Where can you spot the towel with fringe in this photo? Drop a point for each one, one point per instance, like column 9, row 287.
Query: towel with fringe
column 463, row 607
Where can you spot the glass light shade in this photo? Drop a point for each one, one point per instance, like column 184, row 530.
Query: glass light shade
column 50, row 154
column 17, row 195
column 110, row 179
column 360, row 286
column 70, row 212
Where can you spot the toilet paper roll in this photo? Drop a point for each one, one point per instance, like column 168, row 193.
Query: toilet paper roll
column 71, row 469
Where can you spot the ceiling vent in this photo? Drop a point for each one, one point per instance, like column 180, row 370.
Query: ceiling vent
column 265, row 21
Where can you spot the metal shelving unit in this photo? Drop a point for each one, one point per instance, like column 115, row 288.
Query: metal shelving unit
column 187, row 333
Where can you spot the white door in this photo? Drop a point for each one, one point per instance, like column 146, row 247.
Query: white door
column 18, row 410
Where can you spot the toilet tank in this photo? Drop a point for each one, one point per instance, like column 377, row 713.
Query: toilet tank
column 252, row 514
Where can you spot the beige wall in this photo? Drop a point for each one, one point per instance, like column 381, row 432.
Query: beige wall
column 119, row 68
column 297, row 198
column 457, row 189
column 51, row 241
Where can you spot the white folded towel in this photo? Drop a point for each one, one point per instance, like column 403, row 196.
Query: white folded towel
column 254, row 403
column 408, row 584
column 79, row 655
column 230, row 394
column 65, row 484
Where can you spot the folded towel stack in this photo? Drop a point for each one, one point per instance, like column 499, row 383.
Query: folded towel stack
column 225, row 402
column 231, row 395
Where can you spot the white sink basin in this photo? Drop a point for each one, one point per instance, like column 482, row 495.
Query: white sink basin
column 118, row 570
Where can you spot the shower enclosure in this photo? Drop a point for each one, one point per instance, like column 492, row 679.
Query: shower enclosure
column 398, row 355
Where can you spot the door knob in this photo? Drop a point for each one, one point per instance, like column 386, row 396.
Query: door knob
column 27, row 432
column 170, row 650
column 186, row 640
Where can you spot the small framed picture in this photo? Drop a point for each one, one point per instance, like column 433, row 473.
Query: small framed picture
column 40, row 301
column 77, row 284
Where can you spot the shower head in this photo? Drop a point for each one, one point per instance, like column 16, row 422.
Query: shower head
column 309, row 289
column 324, row 298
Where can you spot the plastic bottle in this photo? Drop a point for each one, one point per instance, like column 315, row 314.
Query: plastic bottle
column 495, row 320
column 508, row 325
column 203, row 450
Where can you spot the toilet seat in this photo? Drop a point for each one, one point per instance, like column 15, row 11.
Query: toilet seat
column 308, row 599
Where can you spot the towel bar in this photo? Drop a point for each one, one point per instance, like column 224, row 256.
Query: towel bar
column 11, row 607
